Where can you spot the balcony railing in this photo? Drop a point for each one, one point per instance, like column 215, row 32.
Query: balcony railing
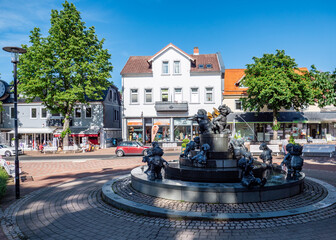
column 171, row 106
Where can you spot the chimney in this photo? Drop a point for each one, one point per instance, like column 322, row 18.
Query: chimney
column 196, row 51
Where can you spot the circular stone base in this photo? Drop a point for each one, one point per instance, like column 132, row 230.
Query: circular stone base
column 317, row 196
column 214, row 192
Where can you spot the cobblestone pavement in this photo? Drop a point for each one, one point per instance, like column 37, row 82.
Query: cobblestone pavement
column 72, row 208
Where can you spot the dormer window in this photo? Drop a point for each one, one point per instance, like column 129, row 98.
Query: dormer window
column 209, row 66
column 200, row 66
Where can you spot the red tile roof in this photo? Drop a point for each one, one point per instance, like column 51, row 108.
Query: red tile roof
column 205, row 59
column 233, row 76
column 140, row 64
column 137, row 64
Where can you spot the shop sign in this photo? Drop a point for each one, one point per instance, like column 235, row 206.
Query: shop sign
column 182, row 121
column 162, row 122
column 134, row 122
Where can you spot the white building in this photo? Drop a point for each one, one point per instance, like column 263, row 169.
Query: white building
column 162, row 91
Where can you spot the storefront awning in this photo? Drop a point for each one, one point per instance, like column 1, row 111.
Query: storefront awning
column 80, row 132
column 34, row 130
column 283, row 117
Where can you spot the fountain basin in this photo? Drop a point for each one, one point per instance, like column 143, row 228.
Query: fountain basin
column 215, row 192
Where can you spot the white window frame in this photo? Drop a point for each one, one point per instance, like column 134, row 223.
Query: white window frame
column 75, row 112
column 85, row 112
column 137, row 93
column 205, row 95
column 241, row 105
column 31, row 113
column 181, row 93
column 167, row 93
column 198, row 95
column 41, row 109
column 179, row 67
column 145, row 94
column 11, row 110
column 165, row 61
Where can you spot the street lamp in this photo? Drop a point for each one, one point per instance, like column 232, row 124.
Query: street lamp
column 15, row 52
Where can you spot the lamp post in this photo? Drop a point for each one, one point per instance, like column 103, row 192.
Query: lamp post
column 15, row 52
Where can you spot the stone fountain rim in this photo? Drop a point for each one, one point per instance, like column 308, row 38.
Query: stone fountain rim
column 114, row 199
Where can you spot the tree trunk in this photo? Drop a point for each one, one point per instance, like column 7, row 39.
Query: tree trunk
column 66, row 125
column 275, row 123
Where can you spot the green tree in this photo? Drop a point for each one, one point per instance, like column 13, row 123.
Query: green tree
column 324, row 85
column 65, row 68
column 274, row 81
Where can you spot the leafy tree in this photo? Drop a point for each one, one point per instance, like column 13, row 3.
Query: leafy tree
column 65, row 68
column 324, row 84
column 274, row 81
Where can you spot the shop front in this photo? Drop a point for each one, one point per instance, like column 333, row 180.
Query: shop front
column 134, row 130
column 31, row 138
column 182, row 129
column 161, row 130
column 300, row 125
column 80, row 136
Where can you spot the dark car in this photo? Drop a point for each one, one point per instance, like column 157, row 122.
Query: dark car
column 131, row 148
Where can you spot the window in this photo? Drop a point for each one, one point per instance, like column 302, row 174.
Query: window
column 134, row 95
column 43, row 113
column 117, row 115
column 200, row 66
column 194, row 98
column 178, row 94
column 165, row 67
column 208, row 94
column 177, row 67
column 115, row 96
column 209, row 65
column 164, row 94
column 55, row 114
column 33, row 113
column 239, row 105
column 78, row 112
column 110, row 95
column 88, row 112
column 148, row 96
column 12, row 112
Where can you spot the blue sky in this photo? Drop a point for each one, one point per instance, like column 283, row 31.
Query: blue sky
column 306, row 30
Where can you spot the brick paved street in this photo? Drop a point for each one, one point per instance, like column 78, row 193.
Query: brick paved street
column 63, row 202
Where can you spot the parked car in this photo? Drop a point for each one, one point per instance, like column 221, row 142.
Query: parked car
column 131, row 148
column 8, row 151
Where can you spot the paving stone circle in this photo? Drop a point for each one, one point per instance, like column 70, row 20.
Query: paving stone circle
column 312, row 193
column 75, row 210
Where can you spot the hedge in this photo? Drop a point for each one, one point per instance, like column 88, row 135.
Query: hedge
column 3, row 181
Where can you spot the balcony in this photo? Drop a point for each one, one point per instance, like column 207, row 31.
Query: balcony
column 171, row 106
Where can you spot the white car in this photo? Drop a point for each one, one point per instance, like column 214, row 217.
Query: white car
column 8, row 151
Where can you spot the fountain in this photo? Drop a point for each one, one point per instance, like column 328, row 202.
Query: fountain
column 217, row 169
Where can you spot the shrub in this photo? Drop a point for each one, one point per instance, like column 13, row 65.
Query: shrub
column 3, row 181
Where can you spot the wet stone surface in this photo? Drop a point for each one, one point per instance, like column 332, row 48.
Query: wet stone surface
column 312, row 193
